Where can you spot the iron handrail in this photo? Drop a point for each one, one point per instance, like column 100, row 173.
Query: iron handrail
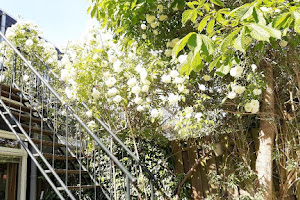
column 72, row 112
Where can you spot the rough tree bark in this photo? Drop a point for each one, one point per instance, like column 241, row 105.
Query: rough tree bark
column 197, row 192
column 266, row 135
column 177, row 152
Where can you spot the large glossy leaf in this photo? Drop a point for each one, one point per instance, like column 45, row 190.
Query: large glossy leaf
column 280, row 21
column 242, row 12
column 208, row 44
column 210, row 26
column 259, row 32
column 297, row 21
column 181, row 44
column 214, row 63
column 229, row 39
column 203, row 23
column 189, row 14
column 218, row 2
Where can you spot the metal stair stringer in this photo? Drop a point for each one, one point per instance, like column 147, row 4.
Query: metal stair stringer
column 17, row 124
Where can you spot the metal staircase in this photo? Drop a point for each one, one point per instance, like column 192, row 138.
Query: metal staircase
column 75, row 162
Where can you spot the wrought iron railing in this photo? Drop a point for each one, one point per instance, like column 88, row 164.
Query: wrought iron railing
column 60, row 138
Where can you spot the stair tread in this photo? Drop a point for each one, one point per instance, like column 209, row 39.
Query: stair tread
column 63, row 171
column 76, row 187
column 8, row 88
column 18, row 106
column 37, row 130
column 48, row 143
column 57, row 157
column 13, row 96
column 26, row 117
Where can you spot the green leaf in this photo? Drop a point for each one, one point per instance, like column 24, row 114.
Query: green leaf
column 218, row 2
column 280, row 21
column 188, row 14
column 259, row 16
column 187, row 67
column 203, row 23
column 207, row 43
column 197, row 63
column 242, row 12
column 210, row 26
column 228, row 40
column 297, row 21
column 259, row 32
column 181, row 44
column 214, row 63
column 273, row 32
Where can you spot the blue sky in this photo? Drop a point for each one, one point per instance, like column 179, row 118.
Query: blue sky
column 60, row 20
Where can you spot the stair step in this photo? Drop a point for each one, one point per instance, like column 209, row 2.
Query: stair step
column 8, row 88
column 56, row 157
column 17, row 106
column 47, row 143
column 63, row 171
column 37, row 130
column 26, row 117
column 80, row 187
column 13, row 96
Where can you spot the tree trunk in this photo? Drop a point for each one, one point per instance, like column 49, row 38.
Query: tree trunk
column 266, row 135
column 197, row 193
column 177, row 152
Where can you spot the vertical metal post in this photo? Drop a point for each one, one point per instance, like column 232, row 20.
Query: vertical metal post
column 152, row 190
column 3, row 24
column 127, row 188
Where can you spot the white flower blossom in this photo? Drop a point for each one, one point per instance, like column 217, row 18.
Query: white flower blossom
column 96, row 94
column 25, row 78
column 89, row 114
column 206, row 77
column 188, row 112
column 92, row 124
column 111, row 81
column 174, row 73
column 236, row 71
column 140, row 108
column 131, row 82
column 150, row 18
column 143, row 26
column 257, row 91
column 173, row 98
column 138, row 100
column 29, row 42
column 182, row 59
column 144, row 36
column 202, row 87
column 155, row 32
column 154, row 24
column 154, row 113
column 163, row 17
column 283, row 43
column 136, row 89
column 253, row 67
column 179, row 80
column 173, row 42
column 166, row 78
column 239, row 89
column 198, row 116
column 106, row 75
column 65, row 75
column 160, row 8
column 117, row 66
column 168, row 52
column 117, row 99
column 143, row 73
column 252, row 106
column 231, row 95
column 145, row 88
column 112, row 92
